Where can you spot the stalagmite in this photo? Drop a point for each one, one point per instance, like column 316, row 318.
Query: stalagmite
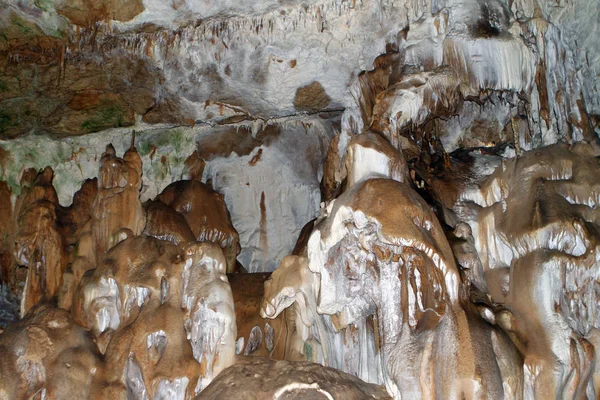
column 370, row 155
column 46, row 355
column 382, row 252
column 293, row 283
column 209, row 315
column 39, row 244
column 317, row 337
column 534, row 224
column 206, row 214
column 162, row 316
column 117, row 203
column 81, row 249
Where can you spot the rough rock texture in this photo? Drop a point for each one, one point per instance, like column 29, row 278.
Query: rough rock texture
column 104, row 63
column 261, row 378
column 9, row 307
column 47, row 355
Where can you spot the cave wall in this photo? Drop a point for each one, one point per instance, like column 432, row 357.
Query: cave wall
column 269, row 173
column 476, row 73
column 73, row 67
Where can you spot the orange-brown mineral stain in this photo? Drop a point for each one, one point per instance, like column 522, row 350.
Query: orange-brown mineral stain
column 256, row 158
column 263, row 243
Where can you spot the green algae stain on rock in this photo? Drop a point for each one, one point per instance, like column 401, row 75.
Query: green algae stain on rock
column 107, row 115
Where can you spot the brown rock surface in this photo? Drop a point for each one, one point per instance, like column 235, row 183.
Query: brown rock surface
column 311, row 98
column 257, row 336
column 163, row 222
column 87, row 12
column 76, row 224
column 79, row 214
column 46, row 355
column 117, row 205
column 534, row 223
column 161, row 315
column 260, row 378
column 7, row 233
column 39, row 242
column 206, row 214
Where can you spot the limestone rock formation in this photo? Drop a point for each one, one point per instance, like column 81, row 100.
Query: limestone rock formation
column 258, row 336
column 205, row 213
column 381, row 251
column 39, row 243
column 47, row 355
column 7, row 230
column 163, row 222
column 260, row 378
column 161, row 315
column 79, row 241
column 293, row 283
column 534, row 225
column 209, row 320
column 315, row 337
column 391, row 198
column 117, row 204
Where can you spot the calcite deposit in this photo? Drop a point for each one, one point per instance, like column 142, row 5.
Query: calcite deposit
column 534, row 223
column 318, row 199
column 205, row 213
column 47, row 355
column 39, row 243
column 161, row 315
column 117, row 205
column 381, row 251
